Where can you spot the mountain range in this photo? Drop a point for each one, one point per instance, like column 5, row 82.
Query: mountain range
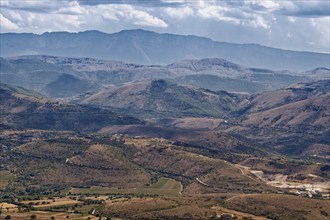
column 64, row 77
column 146, row 47
column 141, row 125
column 298, row 112
column 170, row 110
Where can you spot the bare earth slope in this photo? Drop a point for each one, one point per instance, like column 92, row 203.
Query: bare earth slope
column 292, row 119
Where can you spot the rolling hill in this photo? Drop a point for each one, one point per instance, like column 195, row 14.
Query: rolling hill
column 21, row 108
column 207, row 166
column 292, row 120
column 302, row 105
column 164, row 99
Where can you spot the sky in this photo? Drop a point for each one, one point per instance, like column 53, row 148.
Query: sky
column 288, row 24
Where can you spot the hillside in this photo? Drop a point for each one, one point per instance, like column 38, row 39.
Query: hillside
column 64, row 159
column 182, row 168
column 292, row 120
column 164, row 99
column 21, row 108
column 121, row 175
column 300, row 104
column 143, row 47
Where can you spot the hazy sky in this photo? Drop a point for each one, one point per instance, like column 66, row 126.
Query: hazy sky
column 288, row 24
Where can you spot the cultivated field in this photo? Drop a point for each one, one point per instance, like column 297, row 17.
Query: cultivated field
column 280, row 206
column 164, row 187
column 43, row 215
column 46, row 203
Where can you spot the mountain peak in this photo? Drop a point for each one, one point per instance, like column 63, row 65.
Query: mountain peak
column 136, row 31
column 159, row 84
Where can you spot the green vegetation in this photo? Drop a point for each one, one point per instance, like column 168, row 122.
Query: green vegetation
column 20, row 90
column 164, row 187
column 280, row 206
column 143, row 174
column 5, row 178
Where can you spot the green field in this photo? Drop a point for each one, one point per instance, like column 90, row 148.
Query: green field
column 5, row 177
column 164, row 187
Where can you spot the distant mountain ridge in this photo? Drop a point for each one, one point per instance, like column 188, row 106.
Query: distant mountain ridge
column 64, row 77
column 146, row 47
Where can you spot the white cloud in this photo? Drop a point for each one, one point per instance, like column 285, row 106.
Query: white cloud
column 236, row 16
column 270, row 5
column 144, row 19
column 312, row 8
column 216, row 12
column 173, row 1
column 261, row 21
column 321, row 27
column 258, row 21
column 181, row 12
column 26, row 21
column 105, row 11
column 72, row 8
column 292, row 19
column 263, row 4
column 7, row 24
column 45, row 15
column 4, row 3
column 44, row 6
column 128, row 13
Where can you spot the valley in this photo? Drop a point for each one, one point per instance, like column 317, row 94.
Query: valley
column 83, row 138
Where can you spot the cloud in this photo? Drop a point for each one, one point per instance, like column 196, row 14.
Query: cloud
column 244, row 21
column 315, row 8
column 72, row 8
column 180, row 13
column 129, row 14
column 41, row 6
column 236, row 15
column 321, row 27
column 143, row 18
column 73, row 15
column 7, row 24
column 143, row 3
column 216, row 12
column 265, row 4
